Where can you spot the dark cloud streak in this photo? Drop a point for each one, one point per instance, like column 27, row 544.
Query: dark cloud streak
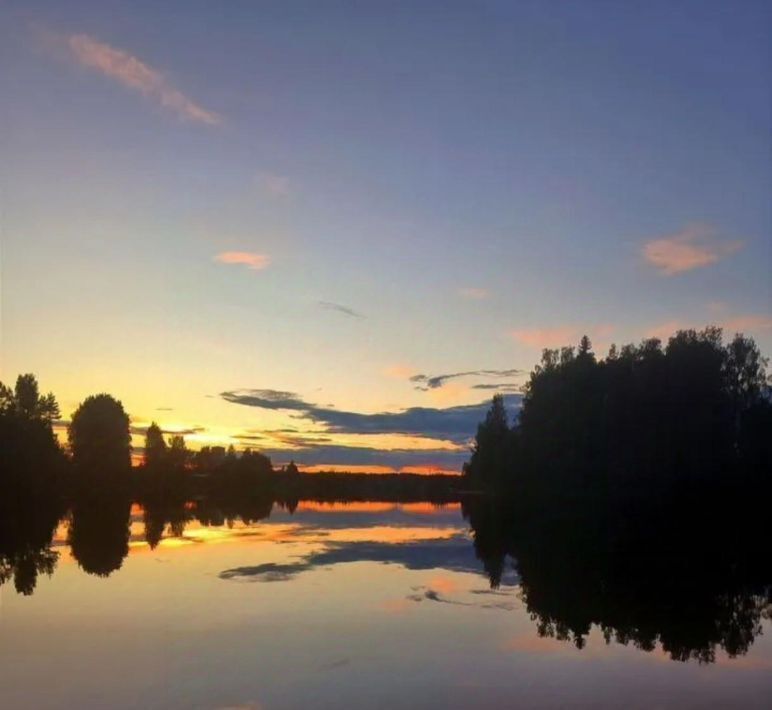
column 345, row 310
column 430, row 382
column 456, row 424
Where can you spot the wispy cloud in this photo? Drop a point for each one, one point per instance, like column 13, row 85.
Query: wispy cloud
column 500, row 387
column 251, row 260
column 128, row 70
column 398, row 372
column 546, row 337
column 456, row 424
column 693, row 247
column 664, row 330
column 748, row 323
column 474, row 294
column 562, row 335
column 430, row 382
column 345, row 310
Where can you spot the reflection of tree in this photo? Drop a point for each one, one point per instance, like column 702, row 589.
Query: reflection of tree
column 99, row 532
column 686, row 586
column 26, row 533
column 158, row 513
column 31, row 473
column 626, row 491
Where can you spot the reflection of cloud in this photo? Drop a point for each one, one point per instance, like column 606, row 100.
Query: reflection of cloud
column 454, row 554
column 253, row 261
column 692, row 248
column 345, row 310
column 456, row 424
column 430, row 382
column 130, row 71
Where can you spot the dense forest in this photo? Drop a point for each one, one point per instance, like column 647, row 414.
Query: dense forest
column 647, row 422
column 630, row 494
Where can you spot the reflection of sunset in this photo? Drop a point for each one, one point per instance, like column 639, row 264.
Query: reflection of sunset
column 196, row 535
column 375, row 507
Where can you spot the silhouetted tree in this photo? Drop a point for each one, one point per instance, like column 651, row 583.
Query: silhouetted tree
column 155, row 446
column 490, row 455
column 99, row 435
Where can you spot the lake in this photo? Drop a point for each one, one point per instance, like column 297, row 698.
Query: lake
column 378, row 605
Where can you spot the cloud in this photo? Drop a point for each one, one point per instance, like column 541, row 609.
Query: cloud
column 130, row 71
column 541, row 338
column 430, row 382
column 474, row 294
column 546, row 337
column 499, row 387
column 456, row 424
column 273, row 185
column 323, row 455
column 141, row 430
column 663, row 331
column 399, row 372
column 748, row 323
column 345, row 310
column 693, row 247
column 253, row 261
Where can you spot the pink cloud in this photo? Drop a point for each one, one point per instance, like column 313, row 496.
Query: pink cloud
column 253, row 261
column 546, row 337
column 130, row 71
column 541, row 338
column 664, row 330
column 693, row 247
column 747, row 323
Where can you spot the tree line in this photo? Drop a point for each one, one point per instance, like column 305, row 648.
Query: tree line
column 629, row 494
column 647, row 421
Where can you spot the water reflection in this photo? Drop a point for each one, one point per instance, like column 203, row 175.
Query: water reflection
column 688, row 594
column 688, row 591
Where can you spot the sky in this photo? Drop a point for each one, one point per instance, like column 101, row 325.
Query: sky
column 333, row 230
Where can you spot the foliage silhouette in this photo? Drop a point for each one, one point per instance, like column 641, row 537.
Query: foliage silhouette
column 32, row 470
column 99, row 437
column 622, row 494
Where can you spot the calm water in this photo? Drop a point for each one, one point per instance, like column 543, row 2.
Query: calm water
column 360, row 605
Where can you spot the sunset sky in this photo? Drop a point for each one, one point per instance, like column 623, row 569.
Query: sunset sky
column 332, row 230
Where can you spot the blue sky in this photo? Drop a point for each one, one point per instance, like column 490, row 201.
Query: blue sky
column 188, row 187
